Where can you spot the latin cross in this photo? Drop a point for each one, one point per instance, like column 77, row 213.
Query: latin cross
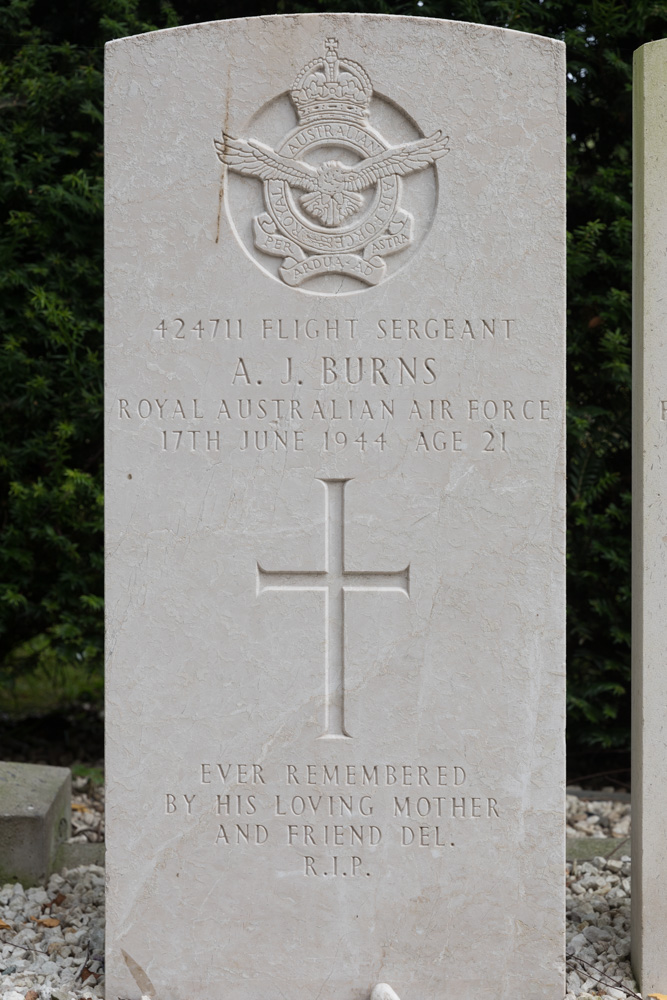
column 334, row 581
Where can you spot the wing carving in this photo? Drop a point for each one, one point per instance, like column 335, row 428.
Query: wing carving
column 407, row 159
column 254, row 159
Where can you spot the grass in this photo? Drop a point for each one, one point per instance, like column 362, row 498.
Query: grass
column 51, row 686
column 94, row 774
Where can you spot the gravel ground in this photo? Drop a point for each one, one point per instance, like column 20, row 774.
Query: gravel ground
column 52, row 939
column 87, row 811
column 598, row 929
column 592, row 818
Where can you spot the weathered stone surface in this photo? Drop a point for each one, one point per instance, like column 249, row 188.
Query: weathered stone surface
column 34, row 820
column 649, row 489
column 335, row 510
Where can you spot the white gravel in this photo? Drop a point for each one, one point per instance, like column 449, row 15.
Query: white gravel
column 52, row 939
column 598, row 929
column 87, row 812
column 591, row 818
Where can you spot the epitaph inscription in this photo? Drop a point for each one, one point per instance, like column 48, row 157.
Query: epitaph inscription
column 317, row 809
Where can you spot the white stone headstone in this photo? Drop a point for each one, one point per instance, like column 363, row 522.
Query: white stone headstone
column 649, row 493
column 335, row 511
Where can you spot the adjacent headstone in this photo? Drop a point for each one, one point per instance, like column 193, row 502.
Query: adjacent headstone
column 35, row 820
column 335, row 511
column 649, row 492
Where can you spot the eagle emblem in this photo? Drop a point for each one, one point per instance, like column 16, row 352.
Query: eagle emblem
column 331, row 217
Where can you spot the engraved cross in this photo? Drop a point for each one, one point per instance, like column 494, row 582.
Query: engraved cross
column 334, row 581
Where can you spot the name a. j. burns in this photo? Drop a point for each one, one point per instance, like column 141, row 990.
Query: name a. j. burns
column 349, row 371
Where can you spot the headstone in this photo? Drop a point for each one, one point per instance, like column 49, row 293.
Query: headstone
column 335, row 511
column 35, row 820
column 649, row 488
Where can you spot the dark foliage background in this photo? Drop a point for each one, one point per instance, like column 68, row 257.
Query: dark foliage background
column 51, row 164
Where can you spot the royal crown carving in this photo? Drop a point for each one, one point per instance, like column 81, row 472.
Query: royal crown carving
column 328, row 87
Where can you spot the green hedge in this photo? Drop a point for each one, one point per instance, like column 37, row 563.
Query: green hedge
column 51, row 164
